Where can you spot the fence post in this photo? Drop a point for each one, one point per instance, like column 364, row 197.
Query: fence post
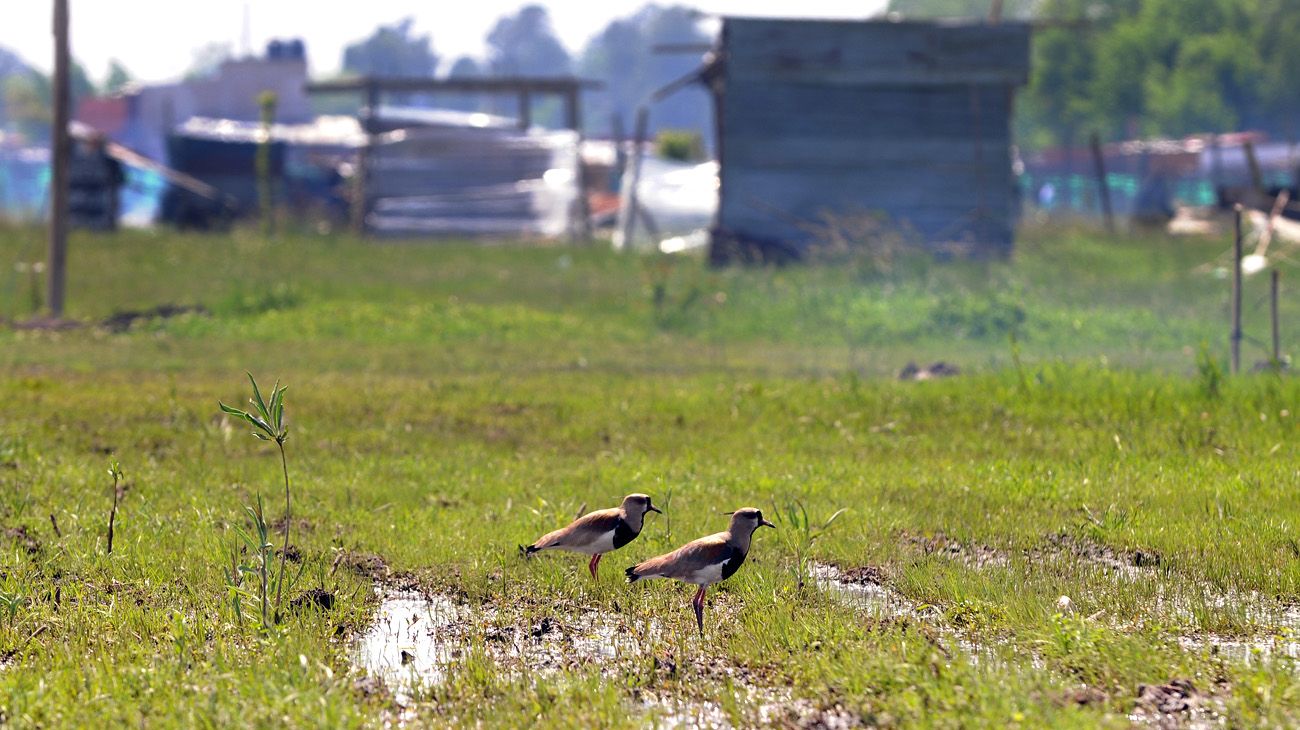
column 1235, row 336
column 1273, row 315
column 1103, row 188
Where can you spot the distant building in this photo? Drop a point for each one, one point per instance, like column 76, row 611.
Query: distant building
column 822, row 121
column 143, row 116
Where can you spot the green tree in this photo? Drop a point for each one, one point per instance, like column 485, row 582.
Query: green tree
column 525, row 45
column 961, row 8
column 623, row 56
column 392, row 50
column 118, row 77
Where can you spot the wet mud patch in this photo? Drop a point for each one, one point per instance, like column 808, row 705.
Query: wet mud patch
column 416, row 638
column 22, row 538
column 318, row 598
column 366, row 565
column 863, row 589
column 568, row 638
column 1175, row 704
column 123, row 320
column 751, row 706
column 1128, row 564
column 934, row 371
column 973, row 555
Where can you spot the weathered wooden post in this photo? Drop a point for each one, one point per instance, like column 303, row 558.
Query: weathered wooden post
column 1274, row 285
column 525, row 110
column 1256, row 174
column 60, row 157
column 1234, row 337
column 360, row 181
column 1103, row 188
column 573, row 120
column 627, row 210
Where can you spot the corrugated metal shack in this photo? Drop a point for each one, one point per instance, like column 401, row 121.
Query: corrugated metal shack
column 819, row 120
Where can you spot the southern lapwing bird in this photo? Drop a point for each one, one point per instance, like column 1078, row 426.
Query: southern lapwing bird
column 599, row 532
column 707, row 560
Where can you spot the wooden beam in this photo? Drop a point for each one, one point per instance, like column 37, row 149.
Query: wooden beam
column 496, row 84
column 61, row 149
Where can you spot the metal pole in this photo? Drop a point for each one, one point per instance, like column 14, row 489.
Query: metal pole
column 1099, row 162
column 1235, row 336
column 60, row 158
column 1274, row 285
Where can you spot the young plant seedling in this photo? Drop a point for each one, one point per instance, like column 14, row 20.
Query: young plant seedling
column 115, row 471
column 267, row 420
column 799, row 532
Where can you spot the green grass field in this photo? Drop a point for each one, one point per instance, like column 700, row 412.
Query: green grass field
column 448, row 401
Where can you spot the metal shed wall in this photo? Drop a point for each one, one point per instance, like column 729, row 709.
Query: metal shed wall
column 911, row 120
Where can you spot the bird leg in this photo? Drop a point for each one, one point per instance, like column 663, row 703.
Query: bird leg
column 595, row 563
column 698, row 604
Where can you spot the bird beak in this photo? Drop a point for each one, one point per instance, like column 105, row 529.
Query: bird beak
column 652, row 508
column 767, row 524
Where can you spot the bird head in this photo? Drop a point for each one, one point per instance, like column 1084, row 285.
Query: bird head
column 638, row 504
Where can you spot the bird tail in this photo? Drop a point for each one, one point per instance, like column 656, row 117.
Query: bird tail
column 526, row 551
column 632, row 577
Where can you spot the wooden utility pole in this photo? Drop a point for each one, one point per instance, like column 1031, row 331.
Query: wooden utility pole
column 1103, row 188
column 60, row 158
column 1234, row 338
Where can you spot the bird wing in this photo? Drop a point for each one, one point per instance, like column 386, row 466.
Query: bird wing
column 688, row 560
column 582, row 531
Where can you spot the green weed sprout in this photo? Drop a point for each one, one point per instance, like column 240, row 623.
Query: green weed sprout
column 268, row 425
column 115, row 471
column 257, row 543
column 799, row 532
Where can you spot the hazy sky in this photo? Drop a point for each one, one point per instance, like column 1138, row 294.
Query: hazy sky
column 155, row 39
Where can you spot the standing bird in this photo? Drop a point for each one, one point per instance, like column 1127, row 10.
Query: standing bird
column 707, row 560
column 598, row 532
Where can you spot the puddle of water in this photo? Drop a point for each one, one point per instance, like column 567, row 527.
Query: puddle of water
column 411, row 642
column 1242, row 649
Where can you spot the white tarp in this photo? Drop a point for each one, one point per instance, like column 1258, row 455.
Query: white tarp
column 680, row 199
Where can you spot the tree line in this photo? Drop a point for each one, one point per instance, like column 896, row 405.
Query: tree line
column 1150, row 68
